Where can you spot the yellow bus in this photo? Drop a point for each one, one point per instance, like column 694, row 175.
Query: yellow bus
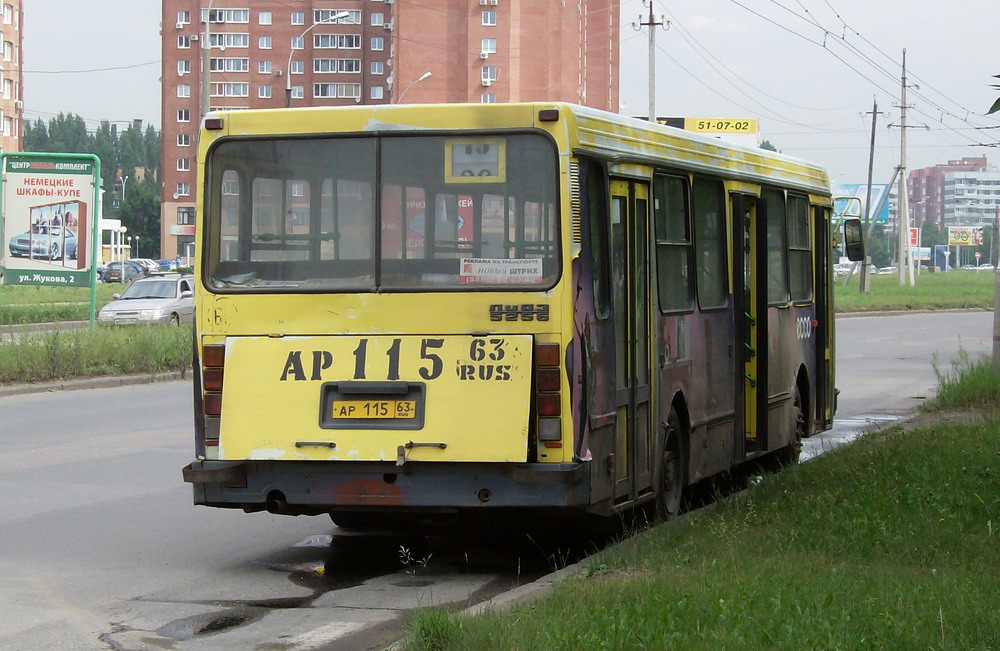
column 428, row 312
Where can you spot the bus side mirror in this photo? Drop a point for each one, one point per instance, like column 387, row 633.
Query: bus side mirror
column 854, row 245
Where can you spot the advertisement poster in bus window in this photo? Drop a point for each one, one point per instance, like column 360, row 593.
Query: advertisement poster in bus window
column 47, row 220
column 454, row 224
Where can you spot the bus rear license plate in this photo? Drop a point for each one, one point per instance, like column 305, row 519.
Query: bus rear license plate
column 373, row 409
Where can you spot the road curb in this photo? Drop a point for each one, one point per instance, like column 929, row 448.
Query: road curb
column 103, row 382
column 851, row 315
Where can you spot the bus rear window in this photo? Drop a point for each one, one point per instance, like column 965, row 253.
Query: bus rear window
column 382, row 214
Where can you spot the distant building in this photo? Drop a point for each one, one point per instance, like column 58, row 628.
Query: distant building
column 972, row 198
column 267, row 54
column 930, row 199
column 11, row 79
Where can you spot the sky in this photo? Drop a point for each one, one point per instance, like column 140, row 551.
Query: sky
column 809, row 70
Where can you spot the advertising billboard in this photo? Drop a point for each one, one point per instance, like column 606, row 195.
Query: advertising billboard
column 846, row 194
column 965, row 235
column 49, row 224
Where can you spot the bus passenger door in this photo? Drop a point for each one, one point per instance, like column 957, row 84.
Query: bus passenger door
column 823, row 291
column 630, row 296
column 750, row 313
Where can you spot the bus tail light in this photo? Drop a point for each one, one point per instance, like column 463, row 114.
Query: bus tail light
column 548, row 399
column 213, row 357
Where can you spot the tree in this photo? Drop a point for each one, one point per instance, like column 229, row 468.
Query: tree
column 878, row 248
column 36, row 136
column 120, row 153
column 931, row 234
column 766, row 144
column 140, row 213
column 68, row 133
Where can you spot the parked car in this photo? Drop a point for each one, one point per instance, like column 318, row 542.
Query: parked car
column 889, row 270
column 167, row 265
column 986, row 267
column 44, row 241
column 163, row 299
column 151, row 266
column 123, row 272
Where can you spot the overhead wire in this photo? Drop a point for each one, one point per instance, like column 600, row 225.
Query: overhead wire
column 830, row 36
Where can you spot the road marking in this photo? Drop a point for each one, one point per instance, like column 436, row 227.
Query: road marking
column 323, row 635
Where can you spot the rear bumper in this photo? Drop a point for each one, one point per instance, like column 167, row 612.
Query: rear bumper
column 297, row 488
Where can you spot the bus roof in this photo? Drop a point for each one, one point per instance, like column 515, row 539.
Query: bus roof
column 602, row 134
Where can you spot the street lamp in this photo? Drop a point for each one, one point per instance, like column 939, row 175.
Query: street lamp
column 129, row 240
column 412, row 84
column 187, row 250
column 118, row 238
column 124, row 180
column 288, row 67
column 137, row 247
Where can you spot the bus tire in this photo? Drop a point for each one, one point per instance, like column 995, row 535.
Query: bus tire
column 789, row 455
column 670, row 470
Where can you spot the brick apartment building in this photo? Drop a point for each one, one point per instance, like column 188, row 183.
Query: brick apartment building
column 268, row 54
column 11, row 80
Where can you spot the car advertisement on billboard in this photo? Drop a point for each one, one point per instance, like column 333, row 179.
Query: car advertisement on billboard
column 49, row 220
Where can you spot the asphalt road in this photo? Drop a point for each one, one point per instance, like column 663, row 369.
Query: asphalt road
column 101, row 548
column 888, row 364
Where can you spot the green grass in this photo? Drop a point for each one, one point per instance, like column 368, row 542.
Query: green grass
column 970, row 383
column 56, row 355
column 931, row 291
column 890, row 543
column 20, row 304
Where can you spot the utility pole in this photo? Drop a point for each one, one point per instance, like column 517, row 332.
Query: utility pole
column 996, row 297
column 903, row 210
column 902, row 205
column 652, row 23
column 206, row 60
column 869, row 219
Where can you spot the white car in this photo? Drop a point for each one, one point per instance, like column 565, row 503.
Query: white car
column 151, row 266
column 165, row 299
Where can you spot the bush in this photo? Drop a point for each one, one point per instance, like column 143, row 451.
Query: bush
column 62, row 355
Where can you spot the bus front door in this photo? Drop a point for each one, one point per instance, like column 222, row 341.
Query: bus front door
column 750, row 313
column 630, row 295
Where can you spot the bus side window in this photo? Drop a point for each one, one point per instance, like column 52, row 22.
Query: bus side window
column 597, row 219
column 799, row 250
column 673, row 244
column 777, row 272
column 708, row 202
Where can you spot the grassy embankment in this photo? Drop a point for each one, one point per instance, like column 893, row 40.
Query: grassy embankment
column 890, row 543
column 35, row 358
column 932, row 291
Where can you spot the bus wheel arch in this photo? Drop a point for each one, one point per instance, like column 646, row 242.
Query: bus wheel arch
column 671, row 466
column 802, row 389
column 800, row 422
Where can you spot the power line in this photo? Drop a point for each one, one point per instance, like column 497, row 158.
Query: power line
column 78, row 72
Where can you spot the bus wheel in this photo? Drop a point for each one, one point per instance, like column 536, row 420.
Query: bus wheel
column 670, row 472
column 789, row 455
